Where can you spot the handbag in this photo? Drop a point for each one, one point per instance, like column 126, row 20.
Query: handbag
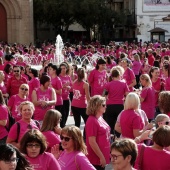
column 141, row 157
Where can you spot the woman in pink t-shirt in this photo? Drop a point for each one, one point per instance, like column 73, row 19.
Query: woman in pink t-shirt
column 66, row 86
column 164, row 101
column 166, row 73
column 3, row 119
column 15, row 100
column 155, row 156
column 17, row 131
column 34, row 82
column 157, row 84
column 131, row 124
column 128, row 75
column 2, row 86
column 98, row 78
column 97, row 133
column 73, row 156
column 147, row 96
column 57, row 85
column 117, row 90
column 51, row 128
column 44, row 98
column 136, row 67
column 33, row 145
column 80, row 97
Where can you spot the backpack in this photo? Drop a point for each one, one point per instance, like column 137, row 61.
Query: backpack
column 18, row 128
column 11, row 121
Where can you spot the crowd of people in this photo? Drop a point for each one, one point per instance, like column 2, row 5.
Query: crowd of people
column 123, row 99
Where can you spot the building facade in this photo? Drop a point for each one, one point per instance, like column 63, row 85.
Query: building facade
column 16, row 21
column 152, row 14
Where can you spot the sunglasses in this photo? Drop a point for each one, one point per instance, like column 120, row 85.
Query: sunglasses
column 65, row 138
column 16, row 71
column 104, row 105
column 24, row 89
column 31, row 145
column 166, row 123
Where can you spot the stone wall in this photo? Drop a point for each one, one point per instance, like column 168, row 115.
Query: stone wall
column 19, row 21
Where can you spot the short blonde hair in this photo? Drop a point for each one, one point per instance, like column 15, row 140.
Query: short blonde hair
column 119, row 68
column 160, row 118
column 26, row 103
column 94, row 104
column 26, row 85
column 147, row 79
column 132, row 101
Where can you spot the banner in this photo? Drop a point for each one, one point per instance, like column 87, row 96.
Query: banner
column 156, row 5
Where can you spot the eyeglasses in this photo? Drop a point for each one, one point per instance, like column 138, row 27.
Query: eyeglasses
column 31, row 145
column 16, row 71
column 23, row 89
column 114, row 156
column 65, row 138
column 11, row 160
column 104, row 105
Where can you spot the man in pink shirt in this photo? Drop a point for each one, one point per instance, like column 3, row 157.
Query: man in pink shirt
column 15, row 81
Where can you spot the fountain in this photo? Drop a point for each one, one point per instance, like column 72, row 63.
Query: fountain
column 59, row 57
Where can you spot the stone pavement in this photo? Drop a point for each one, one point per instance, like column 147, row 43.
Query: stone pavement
column 70, row 121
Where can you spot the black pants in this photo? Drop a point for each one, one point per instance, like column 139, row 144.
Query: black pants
column 77, row 114
column 111, row 114
column 98, row 167
column 59, row 108
column 65, row 112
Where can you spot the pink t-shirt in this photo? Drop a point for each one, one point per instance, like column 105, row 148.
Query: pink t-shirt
column 153, row 159
column 101, row 130
column 65, row 92
column 45, row 161
column 14, row 103
column 129, row 76
column 3, row 88
column 79, row 96
column 129, row 121
column 157, row 87
column 136, row 67
column 57, row 84
column 33, row 84
column 148, row 105
column 97, row 81
column 3, row 116
column 74, row 161
column 40, row 111
column 167, row 84
column 52, row 139
column 24, row 127
column 116, row 91
column 1, row 67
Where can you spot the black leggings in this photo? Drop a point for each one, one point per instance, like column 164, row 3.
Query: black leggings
column 65, row 112
column 111, row 114
column 77, row 114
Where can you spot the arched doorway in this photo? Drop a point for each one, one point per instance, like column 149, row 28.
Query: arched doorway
column 3, row 23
